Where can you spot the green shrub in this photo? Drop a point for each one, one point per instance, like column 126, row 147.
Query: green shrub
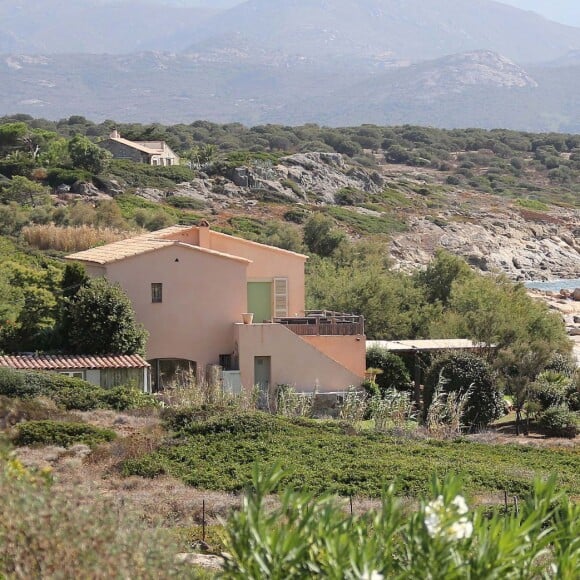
column 560, row 422
column 292, row 185
column 71, row 393
column 394, row 372
column 462, row 373
column 306, row 536
column 59, row 175
column 60, row 433
column 296, row 215
column 31, row 384
column 81, row 397
column 551, row 389
column 563, row 364
column 349, row 196
column 123, row 398
column 248, row 424
column 184, row 202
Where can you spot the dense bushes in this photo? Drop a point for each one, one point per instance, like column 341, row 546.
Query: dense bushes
column 194, row 421
column 394, row 373
column 331, row 457
column 559, row 421
column 552, row 389
column 59, row 433
column 69, row 392
column 465, row 374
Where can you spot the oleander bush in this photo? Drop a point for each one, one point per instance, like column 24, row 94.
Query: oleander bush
column 61, row 433
column 308, row 536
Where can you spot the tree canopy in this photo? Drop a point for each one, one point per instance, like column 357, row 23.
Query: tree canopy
column 101, row 320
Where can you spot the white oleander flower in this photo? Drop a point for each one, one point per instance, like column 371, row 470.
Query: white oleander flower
column 459, row 502
column 437, row 515
column 460, row 529
column 434, row 511
column 374, row 575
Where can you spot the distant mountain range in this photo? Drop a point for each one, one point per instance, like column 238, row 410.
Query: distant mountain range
column 439, row 62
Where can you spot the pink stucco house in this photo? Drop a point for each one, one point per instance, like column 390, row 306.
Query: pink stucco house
column 190, row 286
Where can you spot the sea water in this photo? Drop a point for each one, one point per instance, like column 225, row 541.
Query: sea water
column 554, row 285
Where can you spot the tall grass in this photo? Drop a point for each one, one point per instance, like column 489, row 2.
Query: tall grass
column 70, row 239
column 186, row 390
column 45, row 534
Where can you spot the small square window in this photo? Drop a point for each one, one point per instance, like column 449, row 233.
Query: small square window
column 156, row 292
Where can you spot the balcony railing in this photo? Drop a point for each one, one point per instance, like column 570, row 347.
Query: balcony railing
column 324, row 323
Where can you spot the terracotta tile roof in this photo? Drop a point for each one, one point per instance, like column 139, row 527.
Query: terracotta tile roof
column 140, row 245
column 49, row 362
column 121, row 249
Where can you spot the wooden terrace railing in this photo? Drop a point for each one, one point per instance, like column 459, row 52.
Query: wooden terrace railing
column 324, row 323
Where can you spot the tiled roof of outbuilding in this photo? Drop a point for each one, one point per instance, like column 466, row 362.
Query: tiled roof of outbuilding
column 58, row 362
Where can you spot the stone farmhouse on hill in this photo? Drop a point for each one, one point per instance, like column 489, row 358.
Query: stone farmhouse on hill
column 150, row 152
column 219, row 305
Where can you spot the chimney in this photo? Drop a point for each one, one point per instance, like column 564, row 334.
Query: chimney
column 203, row 232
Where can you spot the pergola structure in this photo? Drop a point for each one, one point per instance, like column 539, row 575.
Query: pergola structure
column 416, row 347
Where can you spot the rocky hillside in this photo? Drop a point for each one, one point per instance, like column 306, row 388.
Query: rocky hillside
column 416, row 208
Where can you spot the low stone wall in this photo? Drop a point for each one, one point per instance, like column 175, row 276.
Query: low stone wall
column 327, row 405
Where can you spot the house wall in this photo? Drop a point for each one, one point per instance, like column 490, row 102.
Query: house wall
column 203, row 294
column 93, row 376
column 122, row 151
column 350, row 351
column 267, row 262
column 293, row 360
column 169, row 156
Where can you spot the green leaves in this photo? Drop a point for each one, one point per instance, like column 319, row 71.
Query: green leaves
column 101, row 320
column 304, row 536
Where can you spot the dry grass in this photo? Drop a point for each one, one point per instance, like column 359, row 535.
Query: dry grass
column 70, row 239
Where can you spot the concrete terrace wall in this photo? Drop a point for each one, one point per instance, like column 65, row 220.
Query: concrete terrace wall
column 293, row 361
column 349, row 350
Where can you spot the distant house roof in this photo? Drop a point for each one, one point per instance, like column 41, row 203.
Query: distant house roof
column 149, row 147
column 154, row 241
column 425, row 345
column 62, row 362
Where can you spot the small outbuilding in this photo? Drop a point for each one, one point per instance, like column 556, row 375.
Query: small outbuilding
column 101, row 370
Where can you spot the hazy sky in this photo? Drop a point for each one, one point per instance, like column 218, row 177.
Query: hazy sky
column 565, row 11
